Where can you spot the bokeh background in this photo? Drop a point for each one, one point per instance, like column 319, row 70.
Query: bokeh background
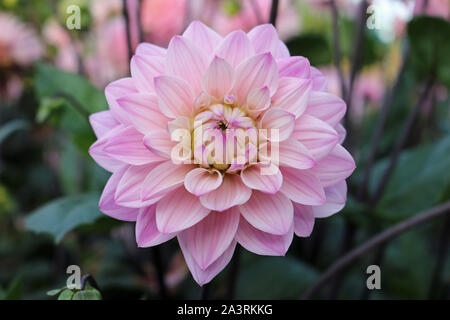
column 52, row 78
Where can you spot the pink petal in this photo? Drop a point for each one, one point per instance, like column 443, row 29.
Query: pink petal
column 144, row 69
column 256, row 72
column 114, row 91
column 326, row 106
column 218, row 78
column 186, row 61
column 297, row 67
column 265, row 39
column 336, row 198
column 207, row 240
column 263, row 243
column 201, row 181
column 159, row 142
column 102, row 158
column 292, row 95
column 127, row 146
column 175, row 97
column 149, row 49
column 258, row 100
column 204, row 37
column 102, row 122
column 235, row 48
column 342, row 133
column 317, row 136
column 338, row 165
column 108, row 205
column 320, row 81
column 278, row 119
column 147, row 234
column 269, row 213
column 303, row 220
column 254, row 178
column 128, row 191
column 179, row 210
column 231, row 192
column 204, row 276
column 302, row 186
column 294, row 154
column 143, row 112
column 163, row 179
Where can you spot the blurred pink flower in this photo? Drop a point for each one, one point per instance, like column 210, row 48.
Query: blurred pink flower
column 206, row 84
column 437, row 8
column 56, row 35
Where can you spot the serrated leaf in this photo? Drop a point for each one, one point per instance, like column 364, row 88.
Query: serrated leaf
column 63, row 215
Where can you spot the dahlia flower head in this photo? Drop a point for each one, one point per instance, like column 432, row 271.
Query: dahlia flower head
column 167, row 135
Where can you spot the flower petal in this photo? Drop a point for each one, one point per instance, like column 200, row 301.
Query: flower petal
column 263, row 243
column 107, row 203
column 175, row 97
column 303, row 220
column 186, row 61
column 103, row 159
column 179, row 210
column 162, row 179
column 336, row 198
column 338, row 165
column 218, row 78
column 235, row 48
column 159, row 141
column 253, row 177
column 144, row 70
column 102, row 122
column 297, row 67
column 207, row 240
column 320, row 81
column 231, row 192
column 201, row 181
column 204, row 37
column 280, row 120
column 127, row 146
column 316, row 135
column 148, row 49
column 204, row 276
column 269, row 213
column 147, row 234
column 143, row 112
column 258, row 100
column 256, row 72
column 294, row 154
column 265, row 39
column 302, row 186
column 326, row 106
column 292, row 95
column 114, row 91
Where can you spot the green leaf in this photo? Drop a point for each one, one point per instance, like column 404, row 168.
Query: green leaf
column 275, row 278
column 66, row 294
column 88, row 294
column 419, row 181
column 430, row 46
column 312, row 46
column 63, row 215
column 14, row 290
column 12, row 126
column 54, row 292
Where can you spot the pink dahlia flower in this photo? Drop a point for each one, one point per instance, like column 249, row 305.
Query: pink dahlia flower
column 174, row 181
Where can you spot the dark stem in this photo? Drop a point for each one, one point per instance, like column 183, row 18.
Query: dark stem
column 231, row 289
column 385, row 109
column 126, row 16
column 401, row 143
column 274, row 13
column 337, row 53
column 139, row 21
column 443, row 245
column 74, row 102
column 205, row 292
column 157, row 261
column 374, row 242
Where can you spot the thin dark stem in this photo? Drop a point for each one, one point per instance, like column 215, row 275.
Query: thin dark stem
column 444, row 244
column 75, row 103
column 126, row 16
column 157, row 261
column 231, row 289
column 374, row 242
column 205, row 292
column 385, row 109
column 139, row 21
column 401, row 143
column 274, row 13
column 337, row 53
